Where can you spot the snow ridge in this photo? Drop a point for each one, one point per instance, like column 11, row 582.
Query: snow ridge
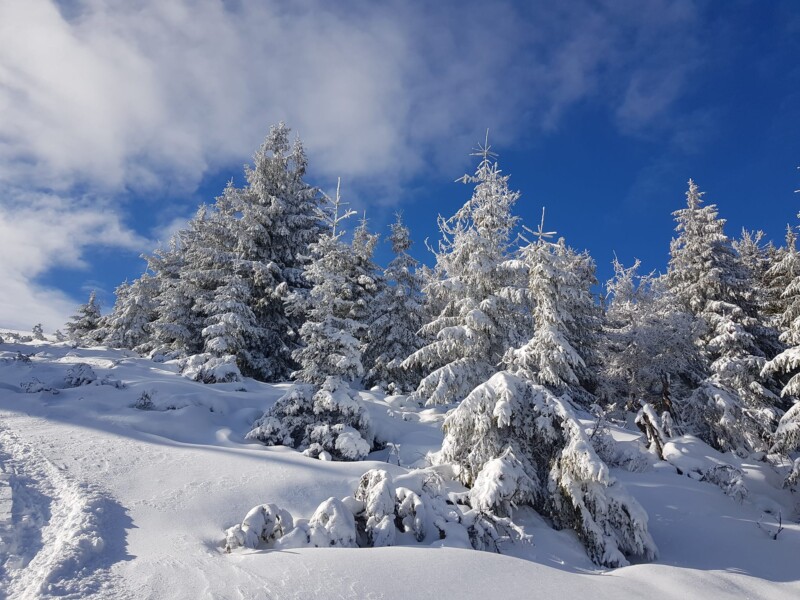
column 50, row 528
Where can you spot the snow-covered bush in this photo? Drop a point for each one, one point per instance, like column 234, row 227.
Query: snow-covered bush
column 377, row 521
column 502, row 484
column 263, row 524
column 786, row 441
column 793, row 478
column 330, row 419
column 38, row 332
column 145, row 401
column 79, row 374
column 115, row 383
column 729, row 479
column 208, row 368
column 380, row 513
column 34, row 386
column 515, row 442
column 718, row 416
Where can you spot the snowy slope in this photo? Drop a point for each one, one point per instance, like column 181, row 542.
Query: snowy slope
column 100, row 499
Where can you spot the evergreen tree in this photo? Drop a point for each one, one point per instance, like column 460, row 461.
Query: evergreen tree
column 333, row 328
column 176, row 328
column 369, row 289
column 753, row 257
column 650, row 353
column 549, row 357
column 128, row 325
column 783, row 298
column 515, row 443
column 732, row 409
column 277, row 222
column 321, row 414
column 84, row 325
column 393, row 332
column 786, row 271
column 584, row 329
column 478, row 292
column 222, row 290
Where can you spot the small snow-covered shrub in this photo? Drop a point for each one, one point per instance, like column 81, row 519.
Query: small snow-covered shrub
column 330, row 419
column 793, row 478
column 786, row 438
column 208, row 368
column 145, row 401
column 34, row 386
column 79, row 374
column 509, row 427
column 728, row 479
column 116, row 383
column 724, row 422
column 377, row 521
column 379, row 514
column 264, row 523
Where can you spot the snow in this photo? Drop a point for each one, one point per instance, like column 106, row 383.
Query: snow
column 99, row 499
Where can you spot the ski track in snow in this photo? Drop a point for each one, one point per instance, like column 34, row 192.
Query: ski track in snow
column 51, row 542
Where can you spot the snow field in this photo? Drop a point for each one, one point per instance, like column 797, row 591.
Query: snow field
column 99, row 499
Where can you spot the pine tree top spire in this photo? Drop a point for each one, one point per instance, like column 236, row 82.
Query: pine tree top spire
column 540, row 233
column 694, row 198
column 337, row 218
column 484, row 150
column 791, row 237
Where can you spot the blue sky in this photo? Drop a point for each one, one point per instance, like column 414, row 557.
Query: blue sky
column 119, row 118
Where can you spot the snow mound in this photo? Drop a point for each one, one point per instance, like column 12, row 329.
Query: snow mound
column 208, row 368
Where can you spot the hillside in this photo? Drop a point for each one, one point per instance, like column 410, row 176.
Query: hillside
column 99, row 498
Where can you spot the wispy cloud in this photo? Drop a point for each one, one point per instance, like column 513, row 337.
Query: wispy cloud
column 113, row 96
column 42, row 231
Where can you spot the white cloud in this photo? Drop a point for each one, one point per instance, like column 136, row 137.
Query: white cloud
column 43, row 231
column 114, row 96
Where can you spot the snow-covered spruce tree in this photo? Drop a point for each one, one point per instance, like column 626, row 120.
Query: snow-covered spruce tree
column 584, row 328
column 399, row 313
column 478, row 290
column 516, row 443
column 277, row 221
column 222, row 291
column 787, row 364
column 128, row 325
column 321, row 414
column 176, row 328
column 650, row 352
column 786, row 441
column 733, row 409
column 371, row 286
column 753, row 256
column 549, row 357
column 85, row 324
column 784, row 267
column 333, row 308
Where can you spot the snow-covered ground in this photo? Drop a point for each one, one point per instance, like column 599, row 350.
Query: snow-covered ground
column 101, row 499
